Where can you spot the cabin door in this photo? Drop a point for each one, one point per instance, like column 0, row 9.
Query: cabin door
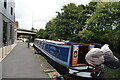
column 75, row 55
column 83, row 50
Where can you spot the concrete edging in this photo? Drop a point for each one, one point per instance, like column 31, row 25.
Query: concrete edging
column 6, row 50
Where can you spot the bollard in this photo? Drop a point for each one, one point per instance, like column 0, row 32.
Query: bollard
column 28, row 43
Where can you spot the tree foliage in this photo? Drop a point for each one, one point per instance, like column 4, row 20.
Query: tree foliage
column 104, row 21
column 42, row 34
column 96, row 22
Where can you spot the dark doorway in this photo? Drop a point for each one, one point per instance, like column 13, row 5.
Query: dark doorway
column 4, row 33
column 83, row 50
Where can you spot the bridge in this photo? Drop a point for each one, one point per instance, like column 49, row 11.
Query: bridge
column 26, row 32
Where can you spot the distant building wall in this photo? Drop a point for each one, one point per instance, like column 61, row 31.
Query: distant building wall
column 16, row 24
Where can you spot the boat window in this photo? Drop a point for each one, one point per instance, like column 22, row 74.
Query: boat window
column 58, row 52
column 97, row 46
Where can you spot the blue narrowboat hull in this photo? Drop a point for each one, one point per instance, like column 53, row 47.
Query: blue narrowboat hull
column 69, row 58
column 58, row 53
column 62, row 69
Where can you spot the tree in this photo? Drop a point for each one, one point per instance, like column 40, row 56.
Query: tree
column 86, row 36
column 72, row 20
column 66, row 22
column 104, row 19
column 33, row 29
column 42, row 34
column 51, row 29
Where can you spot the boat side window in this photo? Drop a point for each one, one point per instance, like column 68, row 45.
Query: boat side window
column 47, row 47
column 40, row 43
column 97, row 46
column 58, row 52
column 44, row 44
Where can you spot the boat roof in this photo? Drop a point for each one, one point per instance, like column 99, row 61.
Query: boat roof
column 73, row 43
column 97, row 44
column 55, row 42
column 66, row 42
column 40, row 39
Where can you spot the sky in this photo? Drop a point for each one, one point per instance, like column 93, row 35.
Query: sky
column 36, row 13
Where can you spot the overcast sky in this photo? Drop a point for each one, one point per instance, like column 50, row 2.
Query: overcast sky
column 42, row 11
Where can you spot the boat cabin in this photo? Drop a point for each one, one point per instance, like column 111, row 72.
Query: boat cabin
column 78, row 54
column 66, row 53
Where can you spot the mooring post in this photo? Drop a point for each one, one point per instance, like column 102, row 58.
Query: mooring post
column 28, row 43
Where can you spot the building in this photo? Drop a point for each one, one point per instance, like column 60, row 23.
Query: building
column 16, row 24
column 7, row 23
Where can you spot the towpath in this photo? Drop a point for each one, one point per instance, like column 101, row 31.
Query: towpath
column 23, row 63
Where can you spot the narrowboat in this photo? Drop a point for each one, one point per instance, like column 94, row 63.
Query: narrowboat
column 68, row 55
